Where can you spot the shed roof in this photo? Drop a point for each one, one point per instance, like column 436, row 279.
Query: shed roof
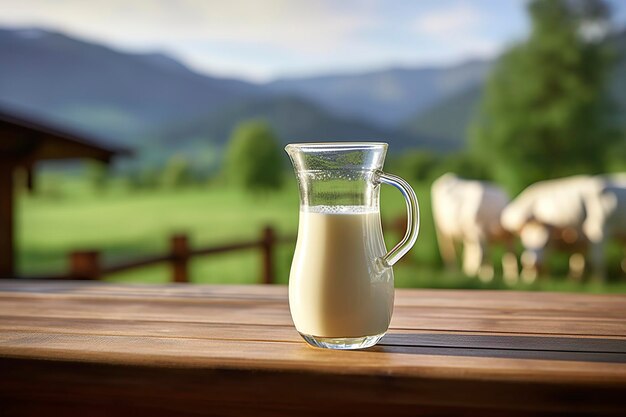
column 27, row 138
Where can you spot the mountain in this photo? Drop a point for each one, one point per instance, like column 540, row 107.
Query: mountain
column 94, row 87
column 385, row 97
column 448, row 120
column 294, row 119
column 202, row 139
column 138, row 98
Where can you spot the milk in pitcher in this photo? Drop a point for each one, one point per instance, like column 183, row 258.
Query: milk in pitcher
column 336, row 289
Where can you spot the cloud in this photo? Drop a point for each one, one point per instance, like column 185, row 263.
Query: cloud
column 291, row 25
column 251, row 37
column 458, row 28
column 444, row 21
column 260, row 39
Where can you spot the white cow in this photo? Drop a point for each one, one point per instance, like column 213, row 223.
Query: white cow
column 468, row 212
column 580, row 213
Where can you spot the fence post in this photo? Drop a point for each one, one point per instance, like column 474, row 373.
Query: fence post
column 268, row 239
column 85, row 265
column 179, row 250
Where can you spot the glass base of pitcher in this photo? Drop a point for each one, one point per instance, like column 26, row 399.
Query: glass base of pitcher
column 342, row 343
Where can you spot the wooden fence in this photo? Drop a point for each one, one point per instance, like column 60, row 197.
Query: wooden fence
column 87, row 264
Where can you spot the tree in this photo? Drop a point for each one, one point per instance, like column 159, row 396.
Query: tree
column 463, row 164
column 254, row 159
column 546, row 113
column 416, row 165
column 176, row 173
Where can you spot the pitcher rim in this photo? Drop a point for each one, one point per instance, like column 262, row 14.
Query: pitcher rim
column 338, row 145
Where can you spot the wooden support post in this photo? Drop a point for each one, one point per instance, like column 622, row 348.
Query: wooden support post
column 268, row 240
column 30, row 179
column 7, row 251
column 85, row 265
column 179, row 247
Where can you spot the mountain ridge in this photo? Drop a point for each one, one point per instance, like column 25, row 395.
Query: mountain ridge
column 387, row 96
column 294, row 119
column 130, row 96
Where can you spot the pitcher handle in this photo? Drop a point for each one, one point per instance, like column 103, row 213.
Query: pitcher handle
column 413, row 218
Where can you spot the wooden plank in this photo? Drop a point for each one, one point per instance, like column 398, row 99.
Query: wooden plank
column 269, row 312
column 217, row 315
column 148, row 328
column 515, row 347
column 542, row 310
column 590, row 304
column 287, row 334
column 610, row 309
column 507, row 352
column 101, row 390
column 259, row 355
column 431, row 297
column 509, row 342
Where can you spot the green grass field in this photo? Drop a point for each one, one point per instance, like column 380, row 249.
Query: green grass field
column 67, row 215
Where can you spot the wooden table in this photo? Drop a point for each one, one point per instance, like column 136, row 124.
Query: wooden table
column 89, row 348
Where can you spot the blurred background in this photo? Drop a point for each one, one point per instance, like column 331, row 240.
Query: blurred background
column 194, row 101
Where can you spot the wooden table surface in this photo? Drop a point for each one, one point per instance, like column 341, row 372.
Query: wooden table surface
column 90, row 348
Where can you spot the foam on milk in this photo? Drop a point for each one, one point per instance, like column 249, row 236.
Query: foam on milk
column 335, row 288
column 338, row 209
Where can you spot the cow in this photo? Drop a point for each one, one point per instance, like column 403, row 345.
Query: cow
column 578, row 214
column 467, row 213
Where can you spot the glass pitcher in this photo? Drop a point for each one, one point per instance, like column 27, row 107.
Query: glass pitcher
column 341, row 282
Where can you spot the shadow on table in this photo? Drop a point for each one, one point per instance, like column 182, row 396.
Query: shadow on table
column 518, row 347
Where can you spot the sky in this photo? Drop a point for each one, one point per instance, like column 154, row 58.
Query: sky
column 260, row 40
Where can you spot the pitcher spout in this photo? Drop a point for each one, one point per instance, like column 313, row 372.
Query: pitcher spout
column 337, row 174
column 337, row 156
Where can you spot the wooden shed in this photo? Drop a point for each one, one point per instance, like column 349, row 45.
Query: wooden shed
column 25, row 140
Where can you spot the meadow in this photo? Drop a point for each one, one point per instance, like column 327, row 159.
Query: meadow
column 67, row 213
